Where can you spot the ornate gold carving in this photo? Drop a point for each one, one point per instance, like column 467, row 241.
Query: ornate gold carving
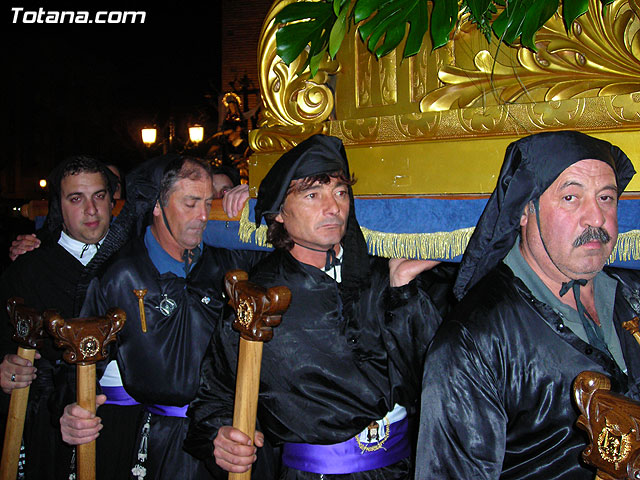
column 600, row 57
column 588, row 79
column 244, row 313
column 85, row 340
column 89, row 346
column 281, row 138
column 515, row 119
column 360, row 128
column 376, row 80
column 291, row 99
column 613, row 445
column 418, row 125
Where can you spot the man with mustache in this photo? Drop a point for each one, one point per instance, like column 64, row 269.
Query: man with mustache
column 347, row 358
column 537, row 308
column 158, row 237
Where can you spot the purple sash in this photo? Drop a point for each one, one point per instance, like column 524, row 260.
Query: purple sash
column 117, row 396
column 167, row 411
column 349, row 456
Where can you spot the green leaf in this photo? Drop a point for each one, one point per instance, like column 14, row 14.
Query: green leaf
column 508, row 26
column 419, row 24
column 339, row 5
column 478, row 9
column 303, row 11
column 572, row 9
column 383, row 29
column 535, row 17
column 314, row 63
column 392, row 38
column 313, row 23
column 443, row 18
column 337, row 33
column 364, row 8
column 390, row 17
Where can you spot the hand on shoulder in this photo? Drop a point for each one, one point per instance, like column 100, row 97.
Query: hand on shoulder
column 23, row 244
column 403, row 270
column 234, row 200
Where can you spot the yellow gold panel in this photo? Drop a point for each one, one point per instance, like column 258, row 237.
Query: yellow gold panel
column 465, row 166
column 439, row 122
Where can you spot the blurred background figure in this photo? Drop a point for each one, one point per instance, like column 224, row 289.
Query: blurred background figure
column 225, row 178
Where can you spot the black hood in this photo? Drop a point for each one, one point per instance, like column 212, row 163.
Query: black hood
column 530, row 166
column 317, row 155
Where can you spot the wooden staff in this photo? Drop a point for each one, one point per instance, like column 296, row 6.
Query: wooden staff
column 258, row 310
column 610, row 420
column 632, row 327
column 29, row 334
column 85, row 341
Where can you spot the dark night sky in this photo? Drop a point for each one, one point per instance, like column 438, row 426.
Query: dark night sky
column 89, row 88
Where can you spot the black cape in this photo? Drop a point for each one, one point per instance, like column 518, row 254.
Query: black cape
column 497, row 390
column 45, row 278
column 331, row 367
column 161, row 366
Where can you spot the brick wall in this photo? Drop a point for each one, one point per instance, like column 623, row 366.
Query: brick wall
column 241, row 25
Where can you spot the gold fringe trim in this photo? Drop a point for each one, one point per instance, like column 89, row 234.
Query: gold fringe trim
column 440, row 245
column 445, row 245
column 247, row 228
column 627, row 247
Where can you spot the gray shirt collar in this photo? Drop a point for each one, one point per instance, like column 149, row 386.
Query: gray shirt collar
column 605, row 292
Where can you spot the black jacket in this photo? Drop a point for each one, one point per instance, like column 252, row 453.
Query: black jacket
column 337, row 361
column 497, row 395
column 161, row 366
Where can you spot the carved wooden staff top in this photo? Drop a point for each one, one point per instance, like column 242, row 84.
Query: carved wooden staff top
column 28, row 333
column 27, row 322
column 612, row 422
column 258, row 310
column 85, row 340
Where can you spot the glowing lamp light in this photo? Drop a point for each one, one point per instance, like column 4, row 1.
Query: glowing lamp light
column 196, row 133
column 149, row 136
column 42, row 183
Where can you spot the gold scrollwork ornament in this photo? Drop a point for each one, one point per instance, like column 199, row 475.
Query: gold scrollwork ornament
column 244, row 313
column 89, row 346
column 613, row 445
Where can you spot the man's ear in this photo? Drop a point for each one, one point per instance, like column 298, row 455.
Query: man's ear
column 157, row 211
column 529, row 209
column 278, row 218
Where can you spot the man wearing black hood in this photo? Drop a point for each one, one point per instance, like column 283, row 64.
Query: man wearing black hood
column 163, row 265
column 344, row 366
column 80, row 203
column 537, row 309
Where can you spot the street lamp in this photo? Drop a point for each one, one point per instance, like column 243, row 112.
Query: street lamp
column 196, row 134
column 149, row 136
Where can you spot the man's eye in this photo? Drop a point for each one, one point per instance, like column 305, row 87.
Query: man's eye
column 101, row 195
column 190, row 205
column 74, row 199
column 311, row 195
column 569, row 198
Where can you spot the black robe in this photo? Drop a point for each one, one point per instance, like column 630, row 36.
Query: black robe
column 497, row 397
column 338, row 360
column 161, row 366
column 45, row 278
